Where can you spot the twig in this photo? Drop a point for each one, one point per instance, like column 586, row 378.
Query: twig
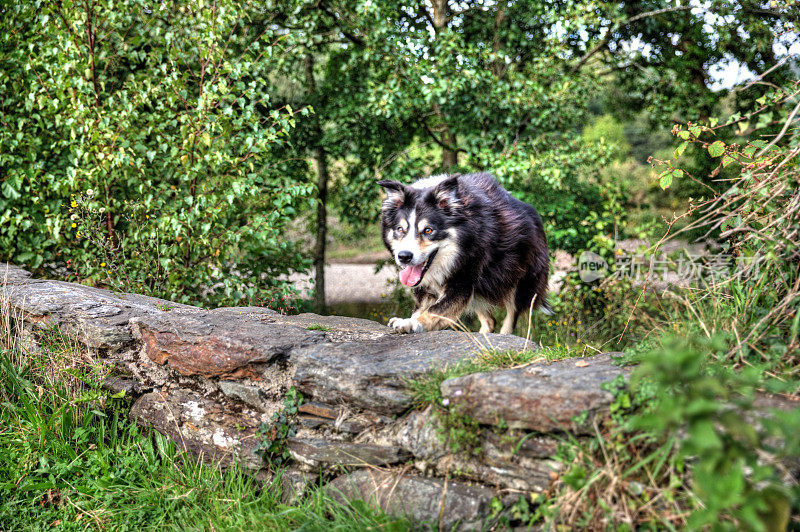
column 783, row 131
column 607, row 37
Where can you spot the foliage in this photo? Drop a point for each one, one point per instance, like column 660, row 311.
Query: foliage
column 274, row 434
column 681, row 450
column 668, row 75
column 148, row 143
column 736, row 470
column 608, row 130
column 755, row 219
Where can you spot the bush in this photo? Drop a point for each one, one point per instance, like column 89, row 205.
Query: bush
column 147, row 159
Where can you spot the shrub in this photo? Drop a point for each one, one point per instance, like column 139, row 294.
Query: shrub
column 145, row 145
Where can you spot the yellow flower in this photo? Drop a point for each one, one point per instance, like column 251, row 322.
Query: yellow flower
column 73, row 204
column 102, row 264
column 74, row 225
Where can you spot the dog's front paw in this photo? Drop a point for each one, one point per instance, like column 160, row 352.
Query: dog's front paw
column 410, row 325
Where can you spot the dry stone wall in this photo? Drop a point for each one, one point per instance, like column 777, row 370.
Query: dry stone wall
column 209, row 378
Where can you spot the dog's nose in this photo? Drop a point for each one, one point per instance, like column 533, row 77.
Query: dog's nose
column 405, row 257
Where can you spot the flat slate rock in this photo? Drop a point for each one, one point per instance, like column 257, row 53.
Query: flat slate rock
column 295, row 483
column 97, row 317
column 336, row 328
column 230, row 343
column 372, row 374
column 10, row 274
column 425, row 501
column 315, row 451
column 541, row 396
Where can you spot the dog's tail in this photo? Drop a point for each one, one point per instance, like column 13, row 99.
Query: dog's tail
column 546, row 309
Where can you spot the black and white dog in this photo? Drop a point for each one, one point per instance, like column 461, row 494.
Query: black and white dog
column 464, row 243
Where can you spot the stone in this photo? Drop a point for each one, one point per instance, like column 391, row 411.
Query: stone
column 205, row 428
column 246, row 393
column 10, row 274
column 541, row 396
column 295, row 483
column 427, row 502
column 373, row 374
column 344, row 425
column 319, row 409
column 96, row 317
column 315, row 451
column 513, row 460
column 225, row 344
column 130, row 387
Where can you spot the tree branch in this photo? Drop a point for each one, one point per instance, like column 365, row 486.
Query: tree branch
column 607, row 37
column 440, row 142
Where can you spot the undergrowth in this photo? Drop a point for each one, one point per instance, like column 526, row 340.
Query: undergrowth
column 685, row 447
column 690, row 443
column 72, row 460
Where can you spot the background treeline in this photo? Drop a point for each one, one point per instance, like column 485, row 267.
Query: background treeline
column 166, row 147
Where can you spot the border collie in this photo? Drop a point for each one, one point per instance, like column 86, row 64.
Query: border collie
column 464, row 243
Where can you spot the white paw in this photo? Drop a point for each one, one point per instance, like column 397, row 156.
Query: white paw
column 410, row 325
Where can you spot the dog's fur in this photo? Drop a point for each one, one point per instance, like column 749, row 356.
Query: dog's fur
column 475, row 246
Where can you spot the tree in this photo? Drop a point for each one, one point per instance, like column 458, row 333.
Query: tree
column 661, row 54
column 140, row 148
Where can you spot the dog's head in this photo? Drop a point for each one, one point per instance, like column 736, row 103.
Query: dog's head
column 420, row 227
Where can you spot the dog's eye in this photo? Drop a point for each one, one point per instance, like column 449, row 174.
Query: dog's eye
column 399, row 229
column 427, row 231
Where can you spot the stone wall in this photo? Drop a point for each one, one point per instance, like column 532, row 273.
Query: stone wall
column 209, row 378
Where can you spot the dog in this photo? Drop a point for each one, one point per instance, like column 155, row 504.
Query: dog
column 464, row 243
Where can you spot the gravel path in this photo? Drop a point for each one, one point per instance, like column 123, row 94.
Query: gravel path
column 351, row 282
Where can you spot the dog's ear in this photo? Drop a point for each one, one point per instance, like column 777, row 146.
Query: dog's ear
column 395, row 193
column 446, row 193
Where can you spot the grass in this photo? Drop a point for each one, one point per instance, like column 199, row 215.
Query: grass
column 72, row 460
column 317, row 327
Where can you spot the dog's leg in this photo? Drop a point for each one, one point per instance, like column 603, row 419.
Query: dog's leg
column 432, row 315
column 487, row 321
column 422, row 300
column 510, row 320
column 447, row 309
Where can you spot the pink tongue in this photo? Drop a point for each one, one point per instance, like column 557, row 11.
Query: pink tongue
column 411, row 275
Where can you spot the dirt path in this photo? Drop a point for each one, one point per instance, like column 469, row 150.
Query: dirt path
column 351, row 282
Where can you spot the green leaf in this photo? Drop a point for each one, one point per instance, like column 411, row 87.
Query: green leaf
column 717, row 148
column 666, row 180
column 680, row 149
column 8, row 190
column 684, row 134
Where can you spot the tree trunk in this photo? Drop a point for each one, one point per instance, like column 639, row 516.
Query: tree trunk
column 321, row 162
column 441, row 16
column 449, row 157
